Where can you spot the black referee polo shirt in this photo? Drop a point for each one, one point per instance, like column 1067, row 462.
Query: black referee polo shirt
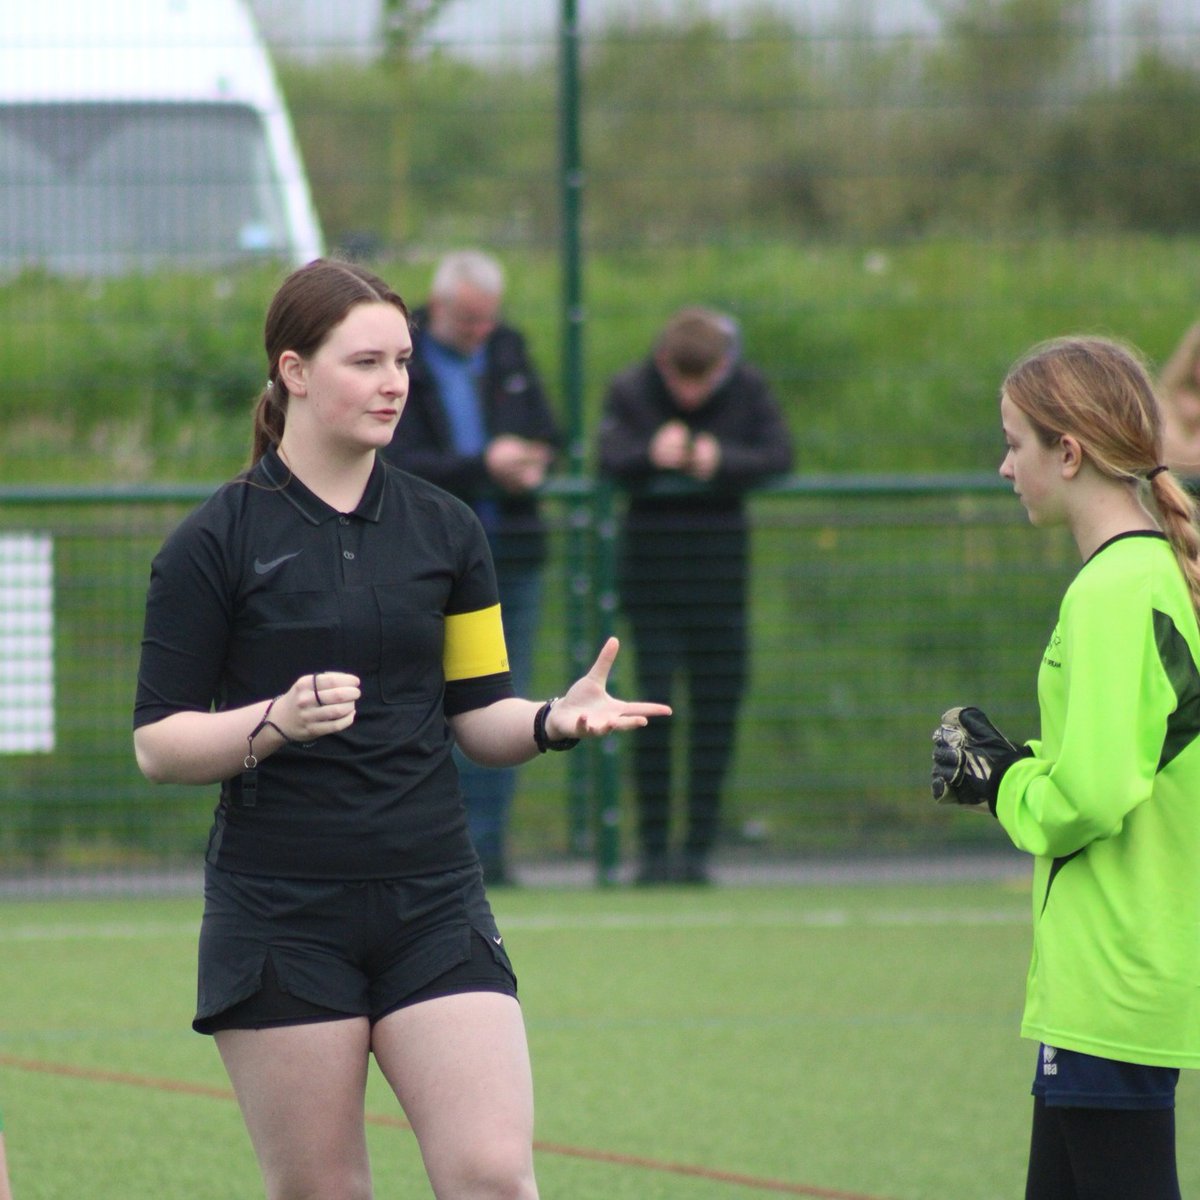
column 264, row 583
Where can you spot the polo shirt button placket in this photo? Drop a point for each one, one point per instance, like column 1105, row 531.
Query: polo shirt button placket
column 345, row 535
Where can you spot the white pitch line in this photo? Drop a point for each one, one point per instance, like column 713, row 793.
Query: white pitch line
column 827, row 918
column 105, row 931
column 821, row 918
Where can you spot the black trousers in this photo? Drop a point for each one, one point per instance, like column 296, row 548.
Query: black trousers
column 697, row 640
column 1102, row 1154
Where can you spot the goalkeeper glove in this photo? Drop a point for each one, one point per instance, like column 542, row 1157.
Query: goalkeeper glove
column 970, row 756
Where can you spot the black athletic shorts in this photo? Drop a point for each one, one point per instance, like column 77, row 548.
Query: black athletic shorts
column 289, row 951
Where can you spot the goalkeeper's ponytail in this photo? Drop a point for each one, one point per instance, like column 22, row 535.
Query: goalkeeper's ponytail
column 1099, row 391
column 1178, row 517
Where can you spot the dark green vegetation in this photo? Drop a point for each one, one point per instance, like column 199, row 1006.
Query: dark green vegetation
column 885, row 359
column 1018, row 116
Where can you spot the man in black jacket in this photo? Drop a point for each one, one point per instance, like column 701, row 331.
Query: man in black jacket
column 688, row 432
column 477, row 423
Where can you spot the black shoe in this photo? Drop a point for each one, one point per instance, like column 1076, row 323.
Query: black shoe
column 694, row 872
column 653, row 872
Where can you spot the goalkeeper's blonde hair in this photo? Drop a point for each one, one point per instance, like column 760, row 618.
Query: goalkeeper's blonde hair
column 1099, row 391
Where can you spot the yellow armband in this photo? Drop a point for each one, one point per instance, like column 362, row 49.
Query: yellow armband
column 474, row 645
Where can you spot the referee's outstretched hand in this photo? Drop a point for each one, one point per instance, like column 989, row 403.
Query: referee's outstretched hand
column 587, row 710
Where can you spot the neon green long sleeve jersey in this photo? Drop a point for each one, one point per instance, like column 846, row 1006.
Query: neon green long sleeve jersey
column 1109, row 803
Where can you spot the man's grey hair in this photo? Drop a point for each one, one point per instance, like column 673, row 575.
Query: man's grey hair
column 472, row 267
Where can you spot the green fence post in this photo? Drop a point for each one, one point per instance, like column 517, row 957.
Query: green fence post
column 608, row 778
column 578, row 600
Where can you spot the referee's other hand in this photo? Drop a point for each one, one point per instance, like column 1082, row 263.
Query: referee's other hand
column 317, row 704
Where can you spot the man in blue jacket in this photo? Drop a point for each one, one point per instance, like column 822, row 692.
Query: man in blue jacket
column 477, row 423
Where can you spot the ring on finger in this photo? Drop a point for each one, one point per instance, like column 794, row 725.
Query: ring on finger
column 316, row 694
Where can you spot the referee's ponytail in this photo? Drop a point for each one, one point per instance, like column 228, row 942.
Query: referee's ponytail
column 1100, row 393
column 270, row 415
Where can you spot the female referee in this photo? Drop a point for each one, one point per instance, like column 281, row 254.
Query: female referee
column 318, row 635
column 1106, row 798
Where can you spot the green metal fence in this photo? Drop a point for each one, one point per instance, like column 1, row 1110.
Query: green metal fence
column 876, row 603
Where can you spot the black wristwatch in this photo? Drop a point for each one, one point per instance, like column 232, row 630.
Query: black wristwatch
column 540, row 739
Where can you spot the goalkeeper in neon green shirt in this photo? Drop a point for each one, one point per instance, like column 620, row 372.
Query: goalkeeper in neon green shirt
column 1107, row 797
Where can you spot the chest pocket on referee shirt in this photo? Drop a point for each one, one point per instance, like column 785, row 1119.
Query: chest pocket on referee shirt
column 410, row 644
column 288, row 634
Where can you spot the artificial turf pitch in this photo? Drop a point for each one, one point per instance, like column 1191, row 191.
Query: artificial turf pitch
column 828, row 1041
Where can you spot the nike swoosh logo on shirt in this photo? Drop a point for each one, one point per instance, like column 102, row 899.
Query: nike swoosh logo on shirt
column 262, row 568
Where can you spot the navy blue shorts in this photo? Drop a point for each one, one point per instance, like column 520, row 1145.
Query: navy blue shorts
column 288, row 951
column 1069, row 1079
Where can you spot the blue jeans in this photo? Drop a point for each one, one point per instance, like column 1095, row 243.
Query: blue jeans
column 489, row 791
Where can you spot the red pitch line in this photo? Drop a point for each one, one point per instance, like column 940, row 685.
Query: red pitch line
column 182, row 1087
column 781, row 1186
